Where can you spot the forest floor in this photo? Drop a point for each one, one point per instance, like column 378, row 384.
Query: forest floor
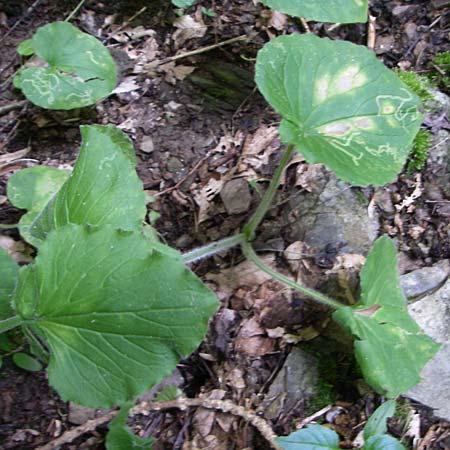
column 198, row 124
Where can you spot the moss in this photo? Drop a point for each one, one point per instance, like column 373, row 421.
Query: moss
column 419, row 152
column 440, row 70
column 416, row 83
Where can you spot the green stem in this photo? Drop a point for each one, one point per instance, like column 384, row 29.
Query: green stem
column 212, row 249
column 10, row 323
column 317, row 296
column 258, row 215
column 77, row 8
column 8, row 226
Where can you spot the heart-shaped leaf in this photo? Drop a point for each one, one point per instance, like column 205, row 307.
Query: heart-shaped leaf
column 342, row 11
column 377, row 423
column 383, row 442
column 102, row 189
column 8, row 277
column 314, row 437
column 390, row 347
column 80, row 69
column 340, row 106
column 120, row 437
column 116, row 314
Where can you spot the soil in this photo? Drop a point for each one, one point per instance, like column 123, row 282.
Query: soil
column 189, row 129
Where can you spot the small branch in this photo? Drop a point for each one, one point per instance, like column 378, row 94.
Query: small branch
column 27, row 13
column 75, row 11
column 225, row 406
column 11, row 107
column 74, row 433
column 128, row 21
column 317, row 296
column 196, row 52
column 371, row 32
column 213, row 248
column 258, row 215
column 181, row 403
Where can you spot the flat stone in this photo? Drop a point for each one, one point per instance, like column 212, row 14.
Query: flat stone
column 236, row 196
column 423, row 281
column 294, row 385
column 432, row 313
column 80, row 414
column 331, row 215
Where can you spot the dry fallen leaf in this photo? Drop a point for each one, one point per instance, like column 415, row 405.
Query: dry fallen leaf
column 187, row 28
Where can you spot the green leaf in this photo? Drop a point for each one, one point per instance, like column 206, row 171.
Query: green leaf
column 342, row 11
column 377, row 424
column 120, row 437
column 314, row 437
column 390, row 347
column 32, row 188
column 80, row 69
column 340, row 106
column 102, row 189
column 183, row 3
column 26, row 362
column 8, row 276
column 25, row 48
column 383, row 442
column 116, row 314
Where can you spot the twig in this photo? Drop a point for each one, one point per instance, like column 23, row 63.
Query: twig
column 305, row 24
column 225, row 406
column 195, row 52
column 74, row 12
column 183, row 179
column 371, row 32
column 76, row 432
column 181, row 403
column 127, row 22
column 11, row 107
column 27, row 13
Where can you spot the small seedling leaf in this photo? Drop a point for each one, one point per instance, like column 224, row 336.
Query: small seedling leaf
column 340, row 106
column 377, row 424
column 26, row 362
column 383, row 442
column 25, row 48
column 183, row 3
column 120, row 437
column 116, row 314
column 80, row 69
column 390, row 347
column 342, row 11
column 314, row 437
column 102, row 189
column 8, row 278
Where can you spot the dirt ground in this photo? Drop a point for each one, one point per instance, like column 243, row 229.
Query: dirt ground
column 191, row 124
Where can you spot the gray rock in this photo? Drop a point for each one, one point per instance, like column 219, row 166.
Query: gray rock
column 294, row 385
column 432, row 313
column 332, row 215
column 422, row 281
column 80, row 414
column 438, row 161
column 236, row 196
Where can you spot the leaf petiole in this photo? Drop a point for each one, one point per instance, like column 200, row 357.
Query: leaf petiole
column 258, row 215
column 10, row 323
column 317, row 296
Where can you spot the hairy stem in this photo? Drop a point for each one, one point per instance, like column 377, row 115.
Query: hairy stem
column 10, row 323
column 317, row 296
column 258, row 215
column 213, row 248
